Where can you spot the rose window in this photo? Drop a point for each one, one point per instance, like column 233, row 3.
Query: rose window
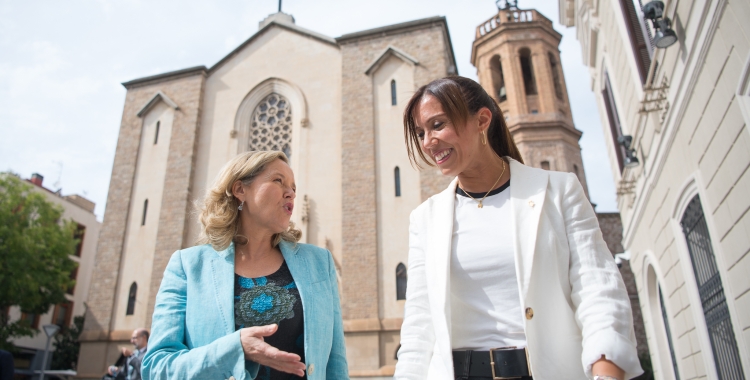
column 271, row 128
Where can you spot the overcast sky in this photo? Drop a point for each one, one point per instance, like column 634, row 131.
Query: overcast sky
column 62, row 62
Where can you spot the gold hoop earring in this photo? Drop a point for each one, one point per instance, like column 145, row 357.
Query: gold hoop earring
column 484, row 138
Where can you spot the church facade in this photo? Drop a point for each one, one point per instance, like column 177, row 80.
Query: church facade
column 334, row 105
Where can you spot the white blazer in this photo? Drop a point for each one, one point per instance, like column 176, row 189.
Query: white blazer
column 573, row 298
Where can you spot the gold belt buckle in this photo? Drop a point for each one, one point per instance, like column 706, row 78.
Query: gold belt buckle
column 492, row 362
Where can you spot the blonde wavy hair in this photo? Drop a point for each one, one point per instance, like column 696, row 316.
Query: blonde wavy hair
column 218, row 214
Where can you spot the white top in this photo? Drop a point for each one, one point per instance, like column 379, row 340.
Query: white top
column 485, row 301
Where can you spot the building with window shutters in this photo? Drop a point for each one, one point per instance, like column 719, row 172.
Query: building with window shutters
column 81, row 211
column 679, row 146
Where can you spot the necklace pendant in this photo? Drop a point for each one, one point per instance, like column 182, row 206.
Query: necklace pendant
column 480, row 205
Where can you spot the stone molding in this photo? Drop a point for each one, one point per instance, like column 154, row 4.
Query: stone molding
column 172, row 75
column 159, row 96
column 390, row 51
column 244, row 115
column 372, row 324
column 105, row 336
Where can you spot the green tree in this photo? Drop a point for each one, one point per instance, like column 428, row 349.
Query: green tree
column 35, row 245
column 67, row 346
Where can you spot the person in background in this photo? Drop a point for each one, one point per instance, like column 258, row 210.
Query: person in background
column 506, row 280
column 6, row 365
column 128, row 366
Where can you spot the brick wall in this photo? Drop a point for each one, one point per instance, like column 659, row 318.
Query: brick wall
column 186, row 91
column 611, row 226
column 427, row 44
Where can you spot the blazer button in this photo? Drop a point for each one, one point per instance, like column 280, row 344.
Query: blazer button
column 531, row 203
column 311, row 369
column 529, row 313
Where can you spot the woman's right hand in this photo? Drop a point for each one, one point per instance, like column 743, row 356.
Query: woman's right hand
column 257, row 350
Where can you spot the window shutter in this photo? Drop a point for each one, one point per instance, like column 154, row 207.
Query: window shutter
column 614, row 120
column 637, row 40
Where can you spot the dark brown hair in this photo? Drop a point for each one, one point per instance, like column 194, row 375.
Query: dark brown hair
column 460, row 97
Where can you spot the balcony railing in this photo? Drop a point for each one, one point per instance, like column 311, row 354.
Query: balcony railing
column 510, row 16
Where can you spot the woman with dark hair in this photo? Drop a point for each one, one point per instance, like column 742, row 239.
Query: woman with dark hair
column 505, row 281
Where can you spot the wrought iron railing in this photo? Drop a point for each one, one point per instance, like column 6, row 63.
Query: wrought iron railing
column 711, row 290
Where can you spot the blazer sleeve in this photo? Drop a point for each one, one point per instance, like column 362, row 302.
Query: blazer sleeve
column 417, row 332
column 168, row 357
column 337, row 367
column 598, row 293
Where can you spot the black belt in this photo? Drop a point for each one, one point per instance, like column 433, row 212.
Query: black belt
column 495, row 364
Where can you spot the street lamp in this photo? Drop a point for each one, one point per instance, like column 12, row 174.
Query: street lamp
column 664, row 35
column 50, row 330
column 630, row 160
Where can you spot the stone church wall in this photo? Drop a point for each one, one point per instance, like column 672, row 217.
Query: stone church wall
column 100, row 336
column 371, row 340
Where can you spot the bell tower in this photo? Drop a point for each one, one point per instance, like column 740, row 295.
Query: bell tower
column 518, row 63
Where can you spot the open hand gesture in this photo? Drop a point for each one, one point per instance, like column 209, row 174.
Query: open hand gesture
column 257, row 350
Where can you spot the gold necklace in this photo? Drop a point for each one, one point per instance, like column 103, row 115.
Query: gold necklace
column 491, row 188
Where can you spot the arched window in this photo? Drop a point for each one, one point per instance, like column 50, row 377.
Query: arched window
column 498, row 79
column 527, row 69
column 156, row 134
column 131, row 299
column 401, row 281
column 711, row 290
column 545, row 165
column 555, row 76
column 271, row 128
column 397, row 179
column 393, row 92
column 145, row 210
column 669, row 334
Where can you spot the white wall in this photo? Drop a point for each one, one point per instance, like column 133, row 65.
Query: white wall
column 312, row 67
column 140, row 240
column 393, row 212
column 698, row 144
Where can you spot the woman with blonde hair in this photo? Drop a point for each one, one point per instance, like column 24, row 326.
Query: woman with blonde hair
column 505, row 280
column 251, row 302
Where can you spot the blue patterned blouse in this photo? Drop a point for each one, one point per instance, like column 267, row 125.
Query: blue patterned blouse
column 267, row 300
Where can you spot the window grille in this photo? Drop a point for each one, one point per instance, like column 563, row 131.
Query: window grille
column 131, row 299
column 711, row 290
column 271, row 127
column 401, row 281
column 669, row 335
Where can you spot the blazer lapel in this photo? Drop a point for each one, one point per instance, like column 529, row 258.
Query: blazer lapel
column 527, row 193
column 297, row 266
column 222, row 269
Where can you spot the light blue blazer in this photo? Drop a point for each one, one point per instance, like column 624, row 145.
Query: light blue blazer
column 192, row 331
